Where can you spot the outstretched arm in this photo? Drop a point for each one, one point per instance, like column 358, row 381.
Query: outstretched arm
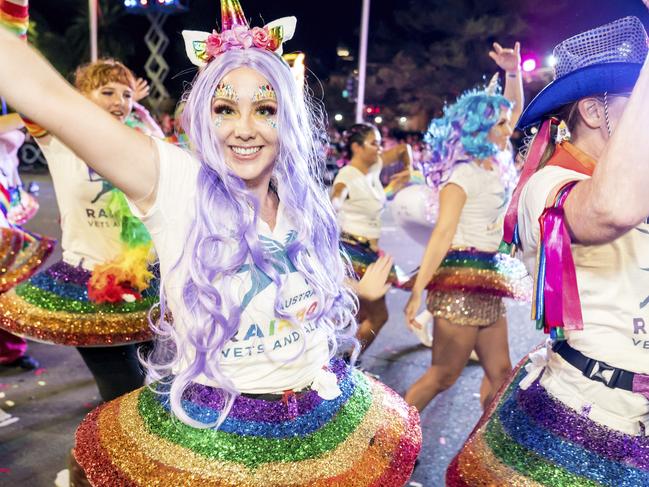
column 614, row 200
column 122, row 155
column 398, row 153
column 509, row 60
column 451, row 202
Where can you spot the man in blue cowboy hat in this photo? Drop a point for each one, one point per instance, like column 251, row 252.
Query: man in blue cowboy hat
column 577, row 413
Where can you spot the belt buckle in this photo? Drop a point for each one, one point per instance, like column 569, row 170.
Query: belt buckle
column 595, row 371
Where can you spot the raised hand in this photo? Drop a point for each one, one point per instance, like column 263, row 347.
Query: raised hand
column 508, row 59
column 141, row 89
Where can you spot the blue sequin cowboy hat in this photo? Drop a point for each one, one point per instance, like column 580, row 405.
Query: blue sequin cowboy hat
column 606, row 59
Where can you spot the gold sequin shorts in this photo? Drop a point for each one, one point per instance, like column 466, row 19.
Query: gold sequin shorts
column 465, row 308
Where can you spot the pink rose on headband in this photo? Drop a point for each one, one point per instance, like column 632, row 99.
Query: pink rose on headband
column 243, row 36
column 260, row 37
column 214, row 44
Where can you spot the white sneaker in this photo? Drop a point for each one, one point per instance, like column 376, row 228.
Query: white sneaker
column 425, row 333
column 62, row 478
column 6, row 419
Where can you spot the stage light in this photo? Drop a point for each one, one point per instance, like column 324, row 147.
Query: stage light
column 378, row 120
column 403, row 120
column 529, row 65
column 551, row 61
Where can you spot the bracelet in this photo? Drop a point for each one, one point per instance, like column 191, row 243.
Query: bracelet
column 513, row 74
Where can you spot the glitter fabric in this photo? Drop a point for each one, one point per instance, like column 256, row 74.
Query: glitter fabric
column 20, row 256
column 529, row 438
column 490, row 273
column 465, row 308
column 53, row 306
column 370, row 437
column 361, row 255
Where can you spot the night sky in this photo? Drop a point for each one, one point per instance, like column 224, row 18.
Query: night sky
column 322, row 26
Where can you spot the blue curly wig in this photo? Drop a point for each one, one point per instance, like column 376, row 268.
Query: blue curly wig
column 462, row 133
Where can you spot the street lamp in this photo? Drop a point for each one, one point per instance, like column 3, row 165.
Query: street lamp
column 338, row 117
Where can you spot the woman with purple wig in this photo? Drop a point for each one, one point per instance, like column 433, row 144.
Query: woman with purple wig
column 465, row 275
column 243, row 387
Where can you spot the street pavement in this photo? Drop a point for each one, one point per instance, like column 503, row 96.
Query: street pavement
column 51, row 401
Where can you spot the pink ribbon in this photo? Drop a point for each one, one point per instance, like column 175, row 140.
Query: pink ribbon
column 641, row 384
column 560, row 292
column 531, row 165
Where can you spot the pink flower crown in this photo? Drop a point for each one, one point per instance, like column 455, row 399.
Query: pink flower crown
column 203, row 47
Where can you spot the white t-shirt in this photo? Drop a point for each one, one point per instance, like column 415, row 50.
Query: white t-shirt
column 613, row 282
column 268, row 354
column 481, row 221
column 360, row 212
column 10, row 142
column 90, row 234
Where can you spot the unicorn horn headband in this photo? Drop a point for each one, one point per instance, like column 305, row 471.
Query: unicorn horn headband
column 202, row 47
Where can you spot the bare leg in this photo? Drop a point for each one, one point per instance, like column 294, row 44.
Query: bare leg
column 372, row 315
column 452, row 345
column 493, row 349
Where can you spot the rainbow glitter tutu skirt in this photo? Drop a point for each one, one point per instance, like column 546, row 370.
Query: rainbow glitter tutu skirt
column 473, row 271
column 53, row 306
column 362, row 255
column 528, row 438
column 367, row 436
column 21, row 255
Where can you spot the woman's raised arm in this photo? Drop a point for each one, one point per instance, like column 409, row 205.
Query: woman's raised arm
column 120, row 154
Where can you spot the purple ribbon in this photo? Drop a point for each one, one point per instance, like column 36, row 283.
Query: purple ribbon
column 560, row 292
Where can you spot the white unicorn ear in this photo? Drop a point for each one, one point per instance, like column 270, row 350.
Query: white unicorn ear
column 195, row 46
column 283, row 30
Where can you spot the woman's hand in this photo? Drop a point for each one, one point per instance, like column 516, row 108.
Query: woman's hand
column 509, row 60
column 141, row 89
column 399, row 180
column 412, row 308
column 373, row 285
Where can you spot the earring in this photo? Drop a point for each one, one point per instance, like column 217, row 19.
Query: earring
column 563, row 134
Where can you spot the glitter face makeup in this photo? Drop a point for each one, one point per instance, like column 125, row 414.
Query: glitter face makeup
column 264, row 93
column 225, row 91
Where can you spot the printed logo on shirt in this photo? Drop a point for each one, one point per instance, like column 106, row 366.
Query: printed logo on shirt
column 279, row 260
column 100, row 217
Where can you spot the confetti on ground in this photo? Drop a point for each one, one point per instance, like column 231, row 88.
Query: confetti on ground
column 2, row 395
column 40, row 371
column 41, row 383
column 89, row 405
column 442, row 440
column 10, row 404
column 415, row 484
column 5, row 470
column 4, row 386
column 475, row 394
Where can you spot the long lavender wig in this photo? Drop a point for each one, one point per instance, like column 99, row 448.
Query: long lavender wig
column 223, row 235
column 461, row 135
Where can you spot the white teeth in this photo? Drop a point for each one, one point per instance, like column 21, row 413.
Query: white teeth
column 245, row 151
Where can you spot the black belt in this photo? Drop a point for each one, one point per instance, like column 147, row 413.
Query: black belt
column 594, row 369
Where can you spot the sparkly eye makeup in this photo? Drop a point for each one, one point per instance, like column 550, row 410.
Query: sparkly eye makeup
column 225, row 91
column 264, row 92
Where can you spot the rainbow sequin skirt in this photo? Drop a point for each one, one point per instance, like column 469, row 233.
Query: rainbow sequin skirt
column 529, row 438
column 488, row 273
column 362, row 255
column 367, row 436
column 21, row 255
column 53, row 306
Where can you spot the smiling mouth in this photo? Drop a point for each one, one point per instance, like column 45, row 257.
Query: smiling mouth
column 117, row 113
column 245, row 151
